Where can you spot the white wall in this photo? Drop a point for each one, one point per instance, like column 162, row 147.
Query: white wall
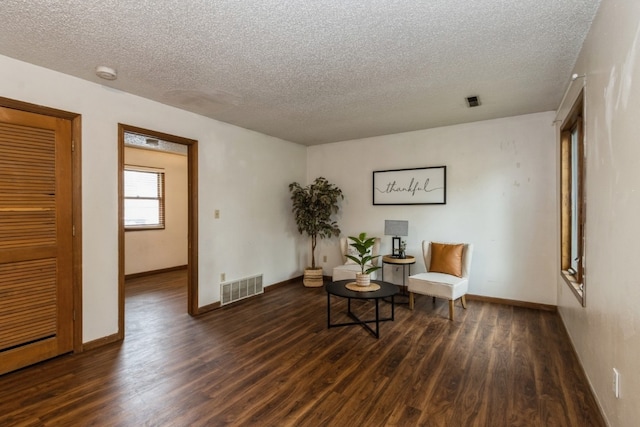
column 501, row 196
column 150, row 250
column 245, row 174
column 606, row 333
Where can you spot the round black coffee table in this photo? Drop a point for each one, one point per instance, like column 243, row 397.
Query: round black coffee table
column 339, row 289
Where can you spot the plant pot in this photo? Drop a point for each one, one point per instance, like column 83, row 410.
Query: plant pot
column 313, row 277
column 363, row 280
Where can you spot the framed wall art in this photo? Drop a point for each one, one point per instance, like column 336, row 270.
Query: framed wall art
column 418, row 186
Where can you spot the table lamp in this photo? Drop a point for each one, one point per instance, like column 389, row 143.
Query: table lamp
column 396, row 229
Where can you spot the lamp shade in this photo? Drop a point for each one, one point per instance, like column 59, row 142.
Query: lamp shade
column 396, row 228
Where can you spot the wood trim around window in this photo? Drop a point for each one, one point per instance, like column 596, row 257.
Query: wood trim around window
column 573, row 122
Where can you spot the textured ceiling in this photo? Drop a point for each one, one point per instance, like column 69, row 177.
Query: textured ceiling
column 312, row 71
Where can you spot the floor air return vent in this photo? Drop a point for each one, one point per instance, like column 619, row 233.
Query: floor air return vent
column 240, row 289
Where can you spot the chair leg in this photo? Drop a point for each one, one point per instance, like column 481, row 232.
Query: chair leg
column 450, row 309
column 464, row 302
column 434, row 300
column 411, row 300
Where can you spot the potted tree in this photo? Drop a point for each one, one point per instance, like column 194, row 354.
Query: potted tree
column 363, row 245
column 313, row 207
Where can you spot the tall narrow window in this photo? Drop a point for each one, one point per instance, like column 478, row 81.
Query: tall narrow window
column 143, row 198
column 573, row 201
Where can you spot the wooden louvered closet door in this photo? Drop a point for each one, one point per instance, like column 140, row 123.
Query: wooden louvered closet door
column 36, row 252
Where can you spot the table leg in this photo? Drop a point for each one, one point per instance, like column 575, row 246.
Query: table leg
column 404, row 275
column 403, row 278
column 393, row 311
column 357, row 320
column 328, row 310
column 378, row 318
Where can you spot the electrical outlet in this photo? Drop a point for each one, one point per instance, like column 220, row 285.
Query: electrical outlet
column 616, row 383
column 223, row 277
column 324, row 258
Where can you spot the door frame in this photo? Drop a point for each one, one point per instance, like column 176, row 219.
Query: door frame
column 76, row 201
column 192, row 217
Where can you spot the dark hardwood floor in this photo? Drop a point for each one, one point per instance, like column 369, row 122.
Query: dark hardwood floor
column 271, row 361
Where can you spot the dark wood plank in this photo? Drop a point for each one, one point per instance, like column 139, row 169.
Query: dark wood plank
column 271, row 361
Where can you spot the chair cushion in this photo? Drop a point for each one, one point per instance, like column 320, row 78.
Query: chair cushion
column 348, row 272
column 446, row 258
column 438, row 285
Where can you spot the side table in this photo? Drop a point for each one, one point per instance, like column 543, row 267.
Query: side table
column 407, row 261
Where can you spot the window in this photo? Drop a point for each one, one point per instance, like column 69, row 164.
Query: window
column 143, row 198
column 573, row 201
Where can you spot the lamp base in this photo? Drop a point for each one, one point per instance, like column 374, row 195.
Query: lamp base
column 395, row 246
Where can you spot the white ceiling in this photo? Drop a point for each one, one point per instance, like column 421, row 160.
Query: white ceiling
column 312, row 71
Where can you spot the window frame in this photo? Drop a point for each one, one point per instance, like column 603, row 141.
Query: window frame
column 573, row 200
column 161, row 198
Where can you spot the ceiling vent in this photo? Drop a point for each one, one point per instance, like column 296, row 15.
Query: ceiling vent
column 473, row 101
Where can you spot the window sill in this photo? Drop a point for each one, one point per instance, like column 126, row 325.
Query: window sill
column 144, row 228
column 576, row 288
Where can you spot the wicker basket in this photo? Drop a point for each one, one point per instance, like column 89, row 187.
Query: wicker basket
column 313, row 277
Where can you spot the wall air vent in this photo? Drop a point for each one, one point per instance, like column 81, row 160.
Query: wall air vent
column 473, row 101
column 240, row 289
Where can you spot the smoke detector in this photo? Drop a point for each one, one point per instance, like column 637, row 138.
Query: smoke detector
column 106, row 73
column 473, row 101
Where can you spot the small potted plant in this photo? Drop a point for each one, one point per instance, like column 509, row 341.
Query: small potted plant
column 402, row 252
column 313, row 207
column 363, row 245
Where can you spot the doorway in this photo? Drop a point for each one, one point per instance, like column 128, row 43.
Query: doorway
column 192, row 215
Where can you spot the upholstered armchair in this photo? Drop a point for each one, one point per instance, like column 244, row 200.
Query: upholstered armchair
column 348, row 270
column 448, row 266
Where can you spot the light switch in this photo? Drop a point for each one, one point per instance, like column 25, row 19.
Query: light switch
column 216, row 214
